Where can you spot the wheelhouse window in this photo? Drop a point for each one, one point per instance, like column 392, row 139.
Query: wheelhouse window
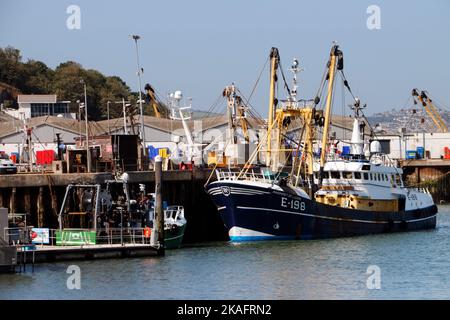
column 335, row 175
column 347, row 175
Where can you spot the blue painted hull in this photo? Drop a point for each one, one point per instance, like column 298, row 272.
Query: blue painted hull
column 266, row 214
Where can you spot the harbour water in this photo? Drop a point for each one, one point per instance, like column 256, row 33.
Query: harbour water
column 414, row 265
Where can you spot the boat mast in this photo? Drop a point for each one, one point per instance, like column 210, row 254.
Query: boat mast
column 335, row 52
column 230, row 93
column 357, row 141
column 274, row 61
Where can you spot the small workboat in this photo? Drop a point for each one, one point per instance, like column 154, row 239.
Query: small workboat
column 92, row 214
column 174, row 226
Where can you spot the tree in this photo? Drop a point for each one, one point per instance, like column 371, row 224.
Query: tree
column 115, row 90
column 34, row 77
column 37, row 77
column 66, row 83
column 11, row 68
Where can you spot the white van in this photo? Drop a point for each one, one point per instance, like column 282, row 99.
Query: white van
column 6, row 165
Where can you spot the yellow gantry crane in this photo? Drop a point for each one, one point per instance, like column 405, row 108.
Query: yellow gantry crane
column 152, row 100
column 432, row 111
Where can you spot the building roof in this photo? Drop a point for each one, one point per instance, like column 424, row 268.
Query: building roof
column 162, row 124
column 11, row 125
column 36, row 98
column 71, row 125
column 5, row 117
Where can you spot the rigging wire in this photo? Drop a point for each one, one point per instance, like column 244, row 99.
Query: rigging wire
column 257, row 80
column 251, row 109
column 343, row 107
column 372, row 131
column 284, row 78
column 319, row 93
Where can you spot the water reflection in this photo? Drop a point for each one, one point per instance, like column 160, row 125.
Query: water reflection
column 413, row 266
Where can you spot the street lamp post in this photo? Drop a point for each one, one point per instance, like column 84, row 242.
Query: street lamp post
column 139, row 72
column 88, row 155
column 107, row 111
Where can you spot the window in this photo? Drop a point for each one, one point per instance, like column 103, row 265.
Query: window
column 335, row 174
column 371, row 176
column 347, row 175
column 59, row 108
column 45, row 109
column 39, row 109
column 398, row 179
column 366, row 176
column 357, row 175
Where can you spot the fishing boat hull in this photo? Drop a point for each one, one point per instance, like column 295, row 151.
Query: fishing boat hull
column 173, row 236
column 254, row 213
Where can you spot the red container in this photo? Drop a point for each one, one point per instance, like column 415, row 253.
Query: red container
column 446, row 153
column 45, row 156
column 185, row 166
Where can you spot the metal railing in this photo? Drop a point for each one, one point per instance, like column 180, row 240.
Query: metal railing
column 420, row 189
column 122, row 235
column 126, row 235
column 249, row 175
column 17, row 235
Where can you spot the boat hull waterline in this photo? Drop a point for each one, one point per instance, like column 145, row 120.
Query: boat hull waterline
column 252, row 213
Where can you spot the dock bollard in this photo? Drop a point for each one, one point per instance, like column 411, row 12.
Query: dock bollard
column 157, row 237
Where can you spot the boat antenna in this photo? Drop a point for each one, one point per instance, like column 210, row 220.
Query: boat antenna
column 295, row 69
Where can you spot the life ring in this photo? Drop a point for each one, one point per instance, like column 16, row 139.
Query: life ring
column 147, row 232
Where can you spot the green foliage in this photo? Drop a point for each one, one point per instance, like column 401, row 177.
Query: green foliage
column 11, row 67
column 34, row 77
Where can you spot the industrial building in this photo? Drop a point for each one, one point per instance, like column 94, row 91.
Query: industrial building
column 421, row 145
column 159, row 133
column 37, row 105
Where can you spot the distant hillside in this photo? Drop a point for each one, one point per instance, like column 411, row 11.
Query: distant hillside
column 35, row 77
column 413, row 119
column 8, row 95
column 199, row 114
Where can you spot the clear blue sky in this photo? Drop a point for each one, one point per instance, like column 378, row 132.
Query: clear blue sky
column 200, row 46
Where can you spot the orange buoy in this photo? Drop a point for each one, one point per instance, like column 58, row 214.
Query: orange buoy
column 147, row 232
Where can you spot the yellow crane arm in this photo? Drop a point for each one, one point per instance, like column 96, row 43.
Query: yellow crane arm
column 151, row 96
column 244, row 124
column 430, row 109
column 437, row 116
